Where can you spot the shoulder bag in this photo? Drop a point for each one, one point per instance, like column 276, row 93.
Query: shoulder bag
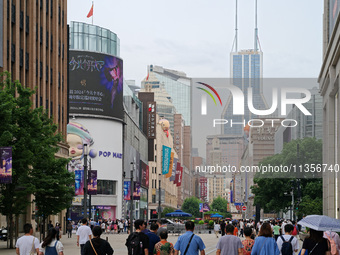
column 186, row 250
column 93, row 248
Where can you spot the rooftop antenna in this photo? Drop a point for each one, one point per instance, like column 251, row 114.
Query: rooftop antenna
column 256, row 30
column 236, row 29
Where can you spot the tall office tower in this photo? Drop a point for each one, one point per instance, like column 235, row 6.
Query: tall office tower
column 246, row 72
column 33, row 48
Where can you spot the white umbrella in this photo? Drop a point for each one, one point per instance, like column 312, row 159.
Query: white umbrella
column 321, row 223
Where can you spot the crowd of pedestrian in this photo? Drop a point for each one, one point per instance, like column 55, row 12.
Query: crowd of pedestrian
column 264, row 238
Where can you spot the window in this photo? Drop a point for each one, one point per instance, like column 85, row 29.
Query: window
column 153, row 198
column 21, row 20
column 106, row 187
column 13, row 13
column 27, row 24
column 21, row 57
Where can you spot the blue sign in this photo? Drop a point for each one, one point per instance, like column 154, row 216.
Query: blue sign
column 241, row 204
column 166, row 159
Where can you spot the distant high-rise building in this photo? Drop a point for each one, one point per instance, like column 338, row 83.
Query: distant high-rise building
column 175, row 83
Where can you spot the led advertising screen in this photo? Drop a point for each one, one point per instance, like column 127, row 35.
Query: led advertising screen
column 96, row 85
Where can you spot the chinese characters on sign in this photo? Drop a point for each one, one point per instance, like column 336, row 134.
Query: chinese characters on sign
column 151, row 120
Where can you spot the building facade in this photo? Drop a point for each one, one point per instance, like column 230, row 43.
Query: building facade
column 97, row 116
column 329, row 89
column 33, row 48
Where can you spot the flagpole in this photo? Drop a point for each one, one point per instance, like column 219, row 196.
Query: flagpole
column 93, row 11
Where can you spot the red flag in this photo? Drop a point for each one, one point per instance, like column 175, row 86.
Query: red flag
column 147, row 77
column 90, row 12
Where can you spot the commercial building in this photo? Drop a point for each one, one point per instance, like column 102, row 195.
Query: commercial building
column 307, row 126
column 329, row 89
column 97, row 116
column 33, row 48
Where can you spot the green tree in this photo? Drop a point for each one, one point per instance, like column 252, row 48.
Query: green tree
column 220, row 204
column 192, row 205
column 167, row 210
column 34, row 141
column 270, row 192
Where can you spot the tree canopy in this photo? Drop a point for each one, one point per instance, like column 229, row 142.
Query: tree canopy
column 35, row 169
column 192, row 205
column 273, row 194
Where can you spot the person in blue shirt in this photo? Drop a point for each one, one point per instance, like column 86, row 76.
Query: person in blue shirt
column 265, row 243
column 196, row 244
column 153, row 237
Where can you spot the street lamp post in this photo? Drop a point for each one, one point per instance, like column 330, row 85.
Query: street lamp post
column 85, row 181
column 131, row 196
column 159, row 197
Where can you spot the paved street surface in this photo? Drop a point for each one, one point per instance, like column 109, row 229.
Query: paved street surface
column 117, row 242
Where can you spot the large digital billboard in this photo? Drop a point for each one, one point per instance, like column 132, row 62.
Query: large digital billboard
column 96, row 85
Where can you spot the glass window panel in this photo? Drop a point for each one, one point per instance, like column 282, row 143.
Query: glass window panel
column 81, row 41
column 76, row 41
column 86, row 28
column 92, row 43
column 92, row 30
column 104, row 45
column 86, row 42
column 104, row 33
column 81, row 27
column 75, row 28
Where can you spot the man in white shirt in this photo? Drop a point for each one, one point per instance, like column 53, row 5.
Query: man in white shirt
column 27, row 243
column 288, row 237
column 84, row 234
column 217, row 228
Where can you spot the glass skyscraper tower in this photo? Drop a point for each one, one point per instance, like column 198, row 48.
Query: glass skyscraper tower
column 246, row 72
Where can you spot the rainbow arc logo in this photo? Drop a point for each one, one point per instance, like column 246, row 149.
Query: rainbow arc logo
column 209, row 93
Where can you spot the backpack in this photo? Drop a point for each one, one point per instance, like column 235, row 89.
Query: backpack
column 51, row 250
column 287, row 247
column 334, row 249
column 134, row 244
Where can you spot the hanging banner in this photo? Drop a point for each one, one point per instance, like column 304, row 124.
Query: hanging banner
column 201, row 207
column 144, row 168
column 206, row 207
column 5, row 164
column 180, row 177
column 136, row 191
column 178, row 169
column 173, row 174
column 127, row 190
column 79, row 182
column 170, row 165
column 166, row 156
column 92, row 183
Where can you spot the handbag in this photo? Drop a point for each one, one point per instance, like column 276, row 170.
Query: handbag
column 93, row 248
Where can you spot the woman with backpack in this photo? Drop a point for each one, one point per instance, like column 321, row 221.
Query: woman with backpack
column 265, row 243
column 315, row 244
column 96, row 245
column 50, row 245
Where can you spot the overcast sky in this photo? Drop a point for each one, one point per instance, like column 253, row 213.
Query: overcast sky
column 196, row 36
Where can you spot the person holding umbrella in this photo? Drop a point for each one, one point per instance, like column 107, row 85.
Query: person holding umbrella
column 316, row 243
